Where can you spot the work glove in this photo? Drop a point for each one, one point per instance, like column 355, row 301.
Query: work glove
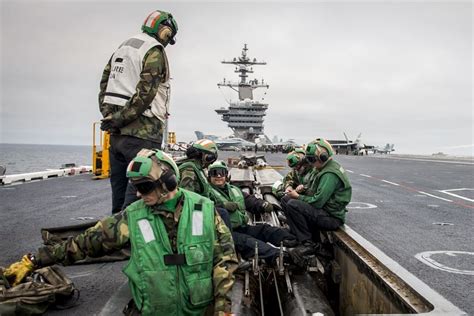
column 108, row 123
column 19, row 270
column 231, row 206
column 267, row 207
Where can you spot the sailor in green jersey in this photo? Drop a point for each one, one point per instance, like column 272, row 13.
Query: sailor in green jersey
column 238, row 203
column 192, row 170
column 325, row 209
column 134, row 99
column 298, row 178
column 182, row 254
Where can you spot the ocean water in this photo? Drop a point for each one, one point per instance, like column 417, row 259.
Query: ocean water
column 21, row 158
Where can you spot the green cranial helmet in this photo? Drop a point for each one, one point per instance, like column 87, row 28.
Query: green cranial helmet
column 151, row 165
column 219, row 164
column 204, row 149
column 160, row 18
column 295, row 157
column 319, row 149
column 206, row 145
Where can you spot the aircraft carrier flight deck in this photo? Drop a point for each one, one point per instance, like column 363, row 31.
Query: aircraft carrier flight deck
column 418, row 211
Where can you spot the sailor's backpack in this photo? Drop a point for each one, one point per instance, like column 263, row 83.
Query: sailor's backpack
column 45, row 287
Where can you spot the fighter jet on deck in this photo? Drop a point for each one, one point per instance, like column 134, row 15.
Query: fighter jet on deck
column 228, row 143
column 351, row 147
column 386, row 150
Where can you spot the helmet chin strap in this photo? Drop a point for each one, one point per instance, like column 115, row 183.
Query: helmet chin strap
column 161, row 194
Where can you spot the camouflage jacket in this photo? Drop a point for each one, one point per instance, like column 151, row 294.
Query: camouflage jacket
column 111, row 233
column 295, row 177
column 190, row 180
column 128, row 118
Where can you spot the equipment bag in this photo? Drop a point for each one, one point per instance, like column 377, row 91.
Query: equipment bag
column 45, row 287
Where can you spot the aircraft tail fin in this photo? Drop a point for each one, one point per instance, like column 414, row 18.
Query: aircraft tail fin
column 199, row 134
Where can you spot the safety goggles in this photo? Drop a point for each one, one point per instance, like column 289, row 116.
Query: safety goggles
column 145, row 187
column 218, row 173
column 311, row 159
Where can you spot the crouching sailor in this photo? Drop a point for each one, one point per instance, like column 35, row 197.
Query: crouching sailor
column 182, row 254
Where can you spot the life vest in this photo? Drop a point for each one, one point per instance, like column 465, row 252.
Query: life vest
column 125, row 69
column 336, row 204
column 164, row 283
column 239, row 217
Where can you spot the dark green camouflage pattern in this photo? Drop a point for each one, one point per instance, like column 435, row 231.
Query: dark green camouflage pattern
column 190, row 180
column 129, row 118
column 112, row 233
column 295, row 177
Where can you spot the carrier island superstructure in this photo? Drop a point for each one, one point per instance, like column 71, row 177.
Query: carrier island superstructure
column 245, row 116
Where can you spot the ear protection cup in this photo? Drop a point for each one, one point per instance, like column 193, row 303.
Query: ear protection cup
column 168, row 179
column 165, row 33
column 323, row 156
column 209, row 157
column 192, row 152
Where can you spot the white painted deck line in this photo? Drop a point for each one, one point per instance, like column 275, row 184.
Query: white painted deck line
column 392, row 183
column 436, row 197
column 457, row 195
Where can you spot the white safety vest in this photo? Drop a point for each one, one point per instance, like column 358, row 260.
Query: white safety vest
column 126, row 66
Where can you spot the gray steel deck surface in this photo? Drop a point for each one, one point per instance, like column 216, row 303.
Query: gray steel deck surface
column 396, row 202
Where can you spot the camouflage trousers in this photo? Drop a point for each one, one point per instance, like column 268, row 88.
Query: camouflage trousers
column 123, row 149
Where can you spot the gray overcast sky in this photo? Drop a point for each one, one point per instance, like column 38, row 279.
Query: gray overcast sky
column 399, row 72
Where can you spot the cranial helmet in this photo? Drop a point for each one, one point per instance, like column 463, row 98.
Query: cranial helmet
column 295, row 157
column 154, row 166
column 218, row 164
column 319, row 148
column 204, row 148
column 162, row 25
column 218, row 168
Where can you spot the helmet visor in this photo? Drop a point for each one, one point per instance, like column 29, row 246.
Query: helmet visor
column 145, row 187
column 218, row 172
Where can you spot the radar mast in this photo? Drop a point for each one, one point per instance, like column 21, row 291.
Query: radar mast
column 245, row 116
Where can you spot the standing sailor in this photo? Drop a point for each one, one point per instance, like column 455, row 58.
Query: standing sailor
column 134, row 99
column 182, row 254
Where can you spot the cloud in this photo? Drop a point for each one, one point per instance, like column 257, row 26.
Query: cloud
column 397, row 72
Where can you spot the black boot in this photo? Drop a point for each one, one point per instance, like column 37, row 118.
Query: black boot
column 299, row 253
column 290, row 243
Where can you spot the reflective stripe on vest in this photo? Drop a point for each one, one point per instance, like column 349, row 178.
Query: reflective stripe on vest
column 159, row 286
column 125, row 68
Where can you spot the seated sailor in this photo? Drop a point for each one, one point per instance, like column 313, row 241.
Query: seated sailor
column 237, row 203
column 192, row 170
column 323, row 209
